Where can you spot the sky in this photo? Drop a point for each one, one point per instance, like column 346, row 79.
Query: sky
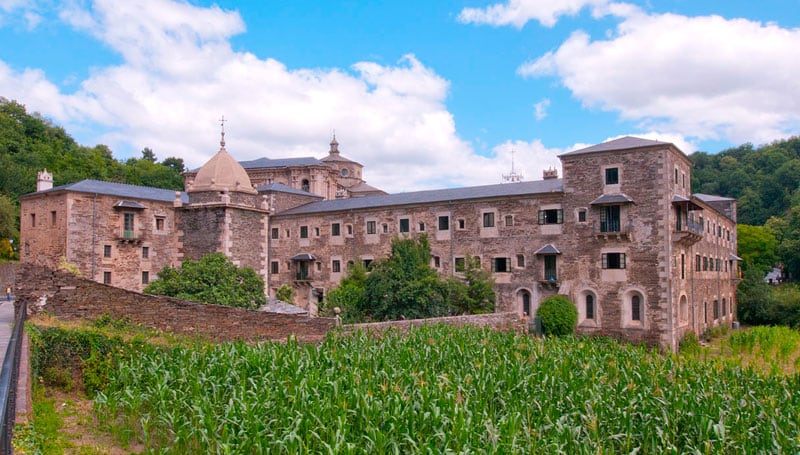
column 424, row 93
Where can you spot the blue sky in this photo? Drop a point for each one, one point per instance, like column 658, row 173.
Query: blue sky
column 425, row 94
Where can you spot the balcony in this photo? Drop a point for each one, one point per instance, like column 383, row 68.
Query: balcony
column 688, row 232
column 612, row 230
column 129, row 237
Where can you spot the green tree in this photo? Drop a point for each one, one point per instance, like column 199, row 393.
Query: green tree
column 757, row 247
column 404, row 285
column 212, row 279
column 349, row 296
column 473, row 292
column 9, row 214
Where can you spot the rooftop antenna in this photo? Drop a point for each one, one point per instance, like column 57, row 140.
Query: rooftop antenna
column 513, row 176
column 222, row 125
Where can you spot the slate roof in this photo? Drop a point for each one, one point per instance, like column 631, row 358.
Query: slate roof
column 430, row 196
column 281, row 188
column 712, row 198
column 623, row 143
column 282, row 162
column 547, row 249
column 619, row 198
column 123, row 190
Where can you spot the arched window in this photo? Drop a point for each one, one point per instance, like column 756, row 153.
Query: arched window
column 526, row 302
column 724, row 308
column 684, row 309
column 589, row 306
column 306, row 185
column 636, row 308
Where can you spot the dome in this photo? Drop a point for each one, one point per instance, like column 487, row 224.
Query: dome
column 220, row 173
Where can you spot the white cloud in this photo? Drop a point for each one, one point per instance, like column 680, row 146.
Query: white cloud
column 179, row 74
column 519, row 12
column 703, row 77
column 530, row 158
column 540, row 109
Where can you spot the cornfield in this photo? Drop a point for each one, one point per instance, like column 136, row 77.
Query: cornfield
column 447, row 390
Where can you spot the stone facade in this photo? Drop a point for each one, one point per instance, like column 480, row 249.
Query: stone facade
column 621, row 234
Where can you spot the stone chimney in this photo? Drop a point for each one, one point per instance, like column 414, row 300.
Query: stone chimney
column 551, row 173
column 44, row 180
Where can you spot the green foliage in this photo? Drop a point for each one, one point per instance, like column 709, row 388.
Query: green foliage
column 447, row 390
column 212, row 279
column 473, row 291
column 404, row 285
column 558, row 314
column 285, row 293
column 689, row 344
column 755, row 299
column 757, row 246
column 349, row 296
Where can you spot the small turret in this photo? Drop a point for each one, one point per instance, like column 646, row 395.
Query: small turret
column 44, row 180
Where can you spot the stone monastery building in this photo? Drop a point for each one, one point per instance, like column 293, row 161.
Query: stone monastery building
column 620, row 234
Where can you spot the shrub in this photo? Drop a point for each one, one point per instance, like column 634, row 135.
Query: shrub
column 558, row 314
column 285, row 293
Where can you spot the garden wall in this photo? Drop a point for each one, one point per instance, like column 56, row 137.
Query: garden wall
column 510, row 321
column 71, row 297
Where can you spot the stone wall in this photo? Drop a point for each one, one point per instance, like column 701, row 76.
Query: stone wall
column 70, row 297
column 495, row 321
column 8, row 271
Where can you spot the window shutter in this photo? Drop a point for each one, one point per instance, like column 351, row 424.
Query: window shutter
column 560, row 216
column 622, row 260
column 604, row 257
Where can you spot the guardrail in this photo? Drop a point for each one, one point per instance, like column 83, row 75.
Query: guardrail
column 8, row 382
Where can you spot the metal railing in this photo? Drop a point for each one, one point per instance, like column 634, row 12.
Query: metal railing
column 8, row 381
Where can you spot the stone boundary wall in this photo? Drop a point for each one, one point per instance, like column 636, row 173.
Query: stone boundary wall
column 510, row 321
column 71, row 297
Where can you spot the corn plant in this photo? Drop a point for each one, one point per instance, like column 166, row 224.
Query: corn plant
column 447, row 390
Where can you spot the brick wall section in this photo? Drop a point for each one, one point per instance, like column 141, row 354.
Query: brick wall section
column 510, row 321
column 70, row 297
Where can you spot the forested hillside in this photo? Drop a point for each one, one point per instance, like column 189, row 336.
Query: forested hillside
column 30, row 143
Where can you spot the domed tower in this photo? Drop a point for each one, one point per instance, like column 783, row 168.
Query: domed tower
column 348, row 172
column 225, row 214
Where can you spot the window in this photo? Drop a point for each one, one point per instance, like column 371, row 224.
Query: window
column 349, row 229
column 636, row 308
column 106, row 251
column 159, row 224
column 145, row 252
column 609, row 219
column 371, row 227
column 716, row 309
column 520, row 260
column 344, row 172
column 613, row 260
column 444, row 223
column 303, row 232
column 128, row 225
column 404, row 225
column 367, row 263
column 698, row 264
column 509, row 220
column 719, row 265
column 551, row 216
column 462, row 224
column 336, row 229
column 274, row 267
column 275, row 233
column 705, row 263
column 385, row 228
column 676, row 175
column 461, row 264
column 437, row 262
column 288, row 233
column 581, row 216
column 550, row 272
column 53, row 218
column 421, row 227
column 106, row 277
column 145, row 277
column 336, row 266
column 305, row 185
column 316, row 232
column 589, row 306
column 501, row 265
column 488, row 219
column 612, row 176
column 319, row 266
column 724, row 308
column 683, row 266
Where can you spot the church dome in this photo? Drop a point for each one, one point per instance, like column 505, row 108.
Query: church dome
column 220, row 173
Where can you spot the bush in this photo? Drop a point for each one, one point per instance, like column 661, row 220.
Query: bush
column 559, row 315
